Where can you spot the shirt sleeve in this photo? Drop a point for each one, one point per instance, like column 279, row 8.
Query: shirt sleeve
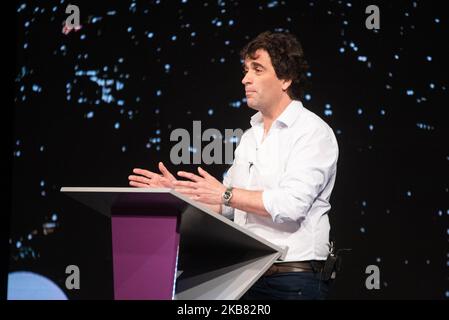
column 310, row 167
column 227, row 211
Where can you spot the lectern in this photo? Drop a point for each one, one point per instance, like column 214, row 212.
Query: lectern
column 167, row 246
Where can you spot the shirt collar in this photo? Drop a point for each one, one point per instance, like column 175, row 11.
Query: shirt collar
column 287, row 117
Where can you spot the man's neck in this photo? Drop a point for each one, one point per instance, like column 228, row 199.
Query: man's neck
column 274, row 112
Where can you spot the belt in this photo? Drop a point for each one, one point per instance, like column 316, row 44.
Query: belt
column 301, row 266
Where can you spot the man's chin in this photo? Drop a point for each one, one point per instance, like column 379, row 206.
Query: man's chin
column 252, row 104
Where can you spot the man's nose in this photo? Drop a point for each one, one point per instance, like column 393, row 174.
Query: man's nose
column 246, row 79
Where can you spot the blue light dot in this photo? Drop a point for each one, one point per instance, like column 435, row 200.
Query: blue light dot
column 43, row 193
column 210, row 112
column 342, row 50
column 410, row 92
column 42, row 183
column 362, row 58
column 130, row 29
column 54, row 217
column 437, row 20
column 409, row 193
column 150, row 35
column 396, row 57
column 308, row 97
column 193, row 34
column 364, row 203
column 123, row 148
column 359, row 111
column 382, row 112
column 371, row 127
column 429, row 58
column 432, row 86
column 362, row 230
column 158, row 93
column 18, row 244
column 117, row 125
column 173, row 38
column 90, row 115
column 231, row 22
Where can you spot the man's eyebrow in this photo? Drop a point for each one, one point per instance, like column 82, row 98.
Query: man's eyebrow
column 254, row 65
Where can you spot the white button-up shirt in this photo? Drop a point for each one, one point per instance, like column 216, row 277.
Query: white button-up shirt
column 295, row 167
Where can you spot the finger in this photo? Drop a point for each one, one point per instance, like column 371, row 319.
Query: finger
column 146, row 173
column 139, row 179
column 167, row 174
column 189, row 175
column 137, row 184
column 204, row 173
column 187, row 184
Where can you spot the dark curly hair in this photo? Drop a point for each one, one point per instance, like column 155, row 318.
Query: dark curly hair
column 287, row 58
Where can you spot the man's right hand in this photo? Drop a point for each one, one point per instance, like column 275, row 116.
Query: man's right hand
column 148, row 179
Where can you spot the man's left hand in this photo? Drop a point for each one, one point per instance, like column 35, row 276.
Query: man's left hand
column 203, row 188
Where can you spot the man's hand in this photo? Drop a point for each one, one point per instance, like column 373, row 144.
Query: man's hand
column 149, row 179
column 204, row 188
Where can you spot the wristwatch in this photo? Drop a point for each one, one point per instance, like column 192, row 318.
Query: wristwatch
column 227, row 196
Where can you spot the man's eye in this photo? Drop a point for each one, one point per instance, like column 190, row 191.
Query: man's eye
column 258, row 70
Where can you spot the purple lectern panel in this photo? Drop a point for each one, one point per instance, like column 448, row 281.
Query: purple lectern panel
column 144, row 256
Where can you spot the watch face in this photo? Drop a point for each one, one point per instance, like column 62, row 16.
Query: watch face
column 226, row 195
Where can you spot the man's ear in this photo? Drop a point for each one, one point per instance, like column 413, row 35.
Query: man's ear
column 286, row 84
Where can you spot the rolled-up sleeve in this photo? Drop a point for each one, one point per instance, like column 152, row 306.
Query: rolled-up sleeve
column 310, row 167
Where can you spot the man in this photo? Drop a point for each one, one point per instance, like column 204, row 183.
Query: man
column 283, row 172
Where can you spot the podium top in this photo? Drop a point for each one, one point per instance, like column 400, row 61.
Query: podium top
column 148, row 201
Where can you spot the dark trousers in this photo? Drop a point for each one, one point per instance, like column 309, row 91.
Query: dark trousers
column 289, row 286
